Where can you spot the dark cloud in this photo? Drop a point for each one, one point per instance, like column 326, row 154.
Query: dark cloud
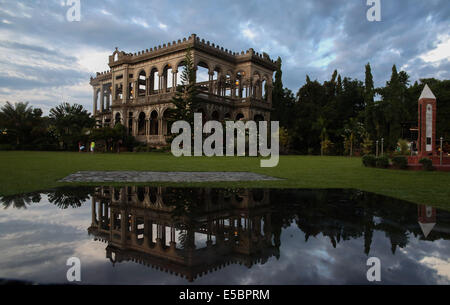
column 312, row 37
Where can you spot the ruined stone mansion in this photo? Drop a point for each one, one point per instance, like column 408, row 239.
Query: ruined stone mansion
column 138, row 89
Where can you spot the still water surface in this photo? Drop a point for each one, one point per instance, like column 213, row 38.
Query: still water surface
column 158, row 235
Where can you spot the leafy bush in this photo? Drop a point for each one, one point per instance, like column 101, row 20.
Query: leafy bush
column 382, row 162
column 400, row 162
column 6, row 147
column 402, row 147
column 142, row 148
column 369, row 161
column 427, row 164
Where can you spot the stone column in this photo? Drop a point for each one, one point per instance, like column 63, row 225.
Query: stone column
column 233, row 88
column 100, row 215
column 93, row 212
column 136, row 126
column 174, row 80
column 133, row 230
column 123, row 227
column 145, row 231
column 211, row 78
column 160, row 133
column 113, row 87
column 95, row 102
column 160, row 81
column 102, row 99
column 136, row 89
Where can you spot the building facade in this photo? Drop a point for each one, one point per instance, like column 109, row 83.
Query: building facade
column 138, row 89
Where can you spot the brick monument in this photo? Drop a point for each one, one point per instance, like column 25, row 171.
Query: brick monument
column 426, row 140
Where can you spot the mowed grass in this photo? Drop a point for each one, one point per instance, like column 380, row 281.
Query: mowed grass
column 22, row 172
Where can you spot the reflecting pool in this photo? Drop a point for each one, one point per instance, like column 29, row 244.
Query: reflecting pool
column 163, row 235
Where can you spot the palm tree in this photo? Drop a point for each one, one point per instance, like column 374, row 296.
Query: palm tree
column 18, row 119
column 69, row 121
column 353, row 131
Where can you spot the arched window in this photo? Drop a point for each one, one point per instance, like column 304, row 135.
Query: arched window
column 215, row 116
column 168, row 77
column 154, row 81
column 239, row 116
column 154, row 123
column 119, row 91
column 202, row 76
column 216, row 84
column 118, row 119
column 228, row 85
column 141, row 124
column 141, row 193
column 97, row 101
column 264, row 89
column 153, row 193
column 165, row 124
column 258, row 118
column 239, row 84
column 142, row 83
column 181, row 68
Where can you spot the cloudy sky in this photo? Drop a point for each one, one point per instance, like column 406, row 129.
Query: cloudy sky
column 45, row 59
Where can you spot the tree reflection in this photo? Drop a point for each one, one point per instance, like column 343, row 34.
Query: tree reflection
column 20, row 201
column 73, row 197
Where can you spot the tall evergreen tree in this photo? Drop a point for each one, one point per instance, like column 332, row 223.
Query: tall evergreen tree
column 185, row 100
column 369, row 114
column 393, row 107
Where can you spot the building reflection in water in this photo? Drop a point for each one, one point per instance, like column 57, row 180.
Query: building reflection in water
column 426, row 218
column 188, row 232
column 193, row 231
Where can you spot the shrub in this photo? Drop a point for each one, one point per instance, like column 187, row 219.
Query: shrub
column 427, row 164
column 382, row 162
column 6, row 147
column 402, row 147
column 400, row 162
column 369, row 161
column 142, row 148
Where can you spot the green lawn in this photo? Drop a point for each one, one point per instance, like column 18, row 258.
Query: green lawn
column 31, row 171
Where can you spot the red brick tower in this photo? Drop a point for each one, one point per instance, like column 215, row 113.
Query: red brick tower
column 427, row 124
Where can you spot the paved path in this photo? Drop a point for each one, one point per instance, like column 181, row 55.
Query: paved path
column 136, row 176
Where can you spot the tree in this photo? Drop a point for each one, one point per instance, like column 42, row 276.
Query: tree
column 366, row 144
column 185, row 100
column 69, row 122
column 369, row 93
column 321, row 125
column 393, row 107
column 353, row 132
column 22, row 124
column 111, row 138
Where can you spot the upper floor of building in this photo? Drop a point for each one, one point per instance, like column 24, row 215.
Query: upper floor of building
column 151, row 76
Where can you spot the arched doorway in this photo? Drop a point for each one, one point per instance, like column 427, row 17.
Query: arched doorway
column 258, row 118
column 141, row 124
column 215, row 116
column 118, row 119
column 154, row 123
